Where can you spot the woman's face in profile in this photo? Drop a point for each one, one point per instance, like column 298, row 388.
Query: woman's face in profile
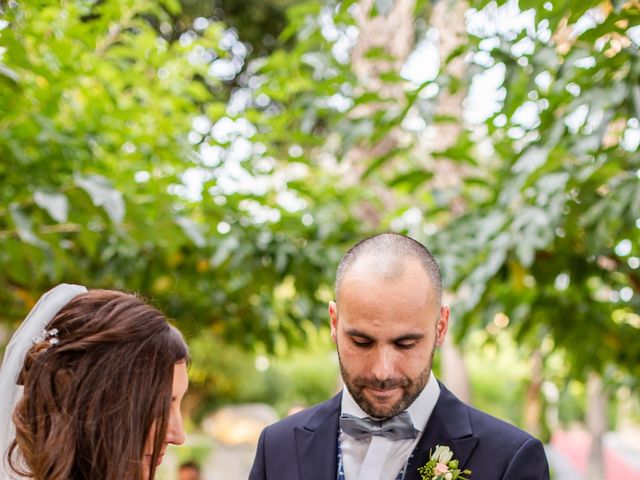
column 175, row 430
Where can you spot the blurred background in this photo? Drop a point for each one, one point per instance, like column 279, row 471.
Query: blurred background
column 219, row 156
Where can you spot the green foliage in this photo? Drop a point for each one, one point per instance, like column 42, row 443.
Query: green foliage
column 497, row 374
column 222, row 373
column 258, row 22
column 93, row 135
column 549, row 231
column 549, row 213
column 554, row 239
column 112, row 177
column 571, row 407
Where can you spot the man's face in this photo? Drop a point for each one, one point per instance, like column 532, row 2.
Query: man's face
column 386, row 331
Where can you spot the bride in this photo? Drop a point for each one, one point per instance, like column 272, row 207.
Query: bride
column 90, row 388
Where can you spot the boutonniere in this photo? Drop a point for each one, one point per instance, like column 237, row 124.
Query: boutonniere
column 442, row 466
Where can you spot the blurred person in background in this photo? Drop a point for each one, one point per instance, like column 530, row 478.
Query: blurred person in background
column 189, row 471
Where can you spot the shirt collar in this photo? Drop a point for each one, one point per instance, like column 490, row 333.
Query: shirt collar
column 419, row 411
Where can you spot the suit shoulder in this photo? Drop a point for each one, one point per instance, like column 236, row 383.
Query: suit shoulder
column 481, row 423
column 489, row 426
column 310, row 417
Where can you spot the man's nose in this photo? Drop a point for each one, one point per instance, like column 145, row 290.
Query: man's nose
column 382, row 368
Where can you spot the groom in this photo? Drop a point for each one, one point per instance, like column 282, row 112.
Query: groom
column 386, row 323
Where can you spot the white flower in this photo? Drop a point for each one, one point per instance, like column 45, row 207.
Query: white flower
column 441, row 466
column 442, row 454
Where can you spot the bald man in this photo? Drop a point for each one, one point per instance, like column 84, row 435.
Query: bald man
column 387, row 320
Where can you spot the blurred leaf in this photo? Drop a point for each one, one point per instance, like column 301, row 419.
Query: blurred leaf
column 381, row 160
column 103, row 195
column 10, row 74
column 24, row 227
column 192, row 230
column 56, row 205
column 378, row 53
column 411, row 180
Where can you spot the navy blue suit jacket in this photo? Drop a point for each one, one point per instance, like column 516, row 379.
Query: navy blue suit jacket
column 304, row 446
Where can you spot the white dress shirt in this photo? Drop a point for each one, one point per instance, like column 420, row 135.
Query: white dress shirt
column 379, row 458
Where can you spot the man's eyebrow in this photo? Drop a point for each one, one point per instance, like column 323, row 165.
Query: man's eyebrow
column 354, row 332
column 409, row 336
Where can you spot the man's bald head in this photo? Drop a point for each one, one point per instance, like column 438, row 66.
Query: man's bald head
column 386, row 254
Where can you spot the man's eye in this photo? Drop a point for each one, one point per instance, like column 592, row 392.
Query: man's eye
column 405, row 345
column 361, row 343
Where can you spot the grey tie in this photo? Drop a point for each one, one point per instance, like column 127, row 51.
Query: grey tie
column 394, row 428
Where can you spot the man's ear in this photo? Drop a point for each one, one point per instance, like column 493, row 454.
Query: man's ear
column 443, row 324
column 333, row 315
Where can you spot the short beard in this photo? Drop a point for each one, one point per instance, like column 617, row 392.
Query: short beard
column 411, row 388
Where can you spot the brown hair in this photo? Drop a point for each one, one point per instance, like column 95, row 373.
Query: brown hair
column 91, row 400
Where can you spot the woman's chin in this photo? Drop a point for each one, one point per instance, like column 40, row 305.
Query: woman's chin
column 147, row 464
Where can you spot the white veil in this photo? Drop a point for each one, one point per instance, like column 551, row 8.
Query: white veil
column 32, row 327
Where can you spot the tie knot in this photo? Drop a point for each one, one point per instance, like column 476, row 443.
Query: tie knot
column 398, row 427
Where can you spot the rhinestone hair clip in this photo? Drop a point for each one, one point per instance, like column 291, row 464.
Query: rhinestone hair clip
column 52, row 335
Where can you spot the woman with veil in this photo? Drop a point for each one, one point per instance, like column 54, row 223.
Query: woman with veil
column 90, row 388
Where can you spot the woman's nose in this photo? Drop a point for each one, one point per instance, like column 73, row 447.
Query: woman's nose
column 175, row 430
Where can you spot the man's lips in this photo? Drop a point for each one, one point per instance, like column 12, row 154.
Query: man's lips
column 383, row 392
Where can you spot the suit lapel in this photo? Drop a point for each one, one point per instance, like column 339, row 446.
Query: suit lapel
column 317, row 443
column 448, row 425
